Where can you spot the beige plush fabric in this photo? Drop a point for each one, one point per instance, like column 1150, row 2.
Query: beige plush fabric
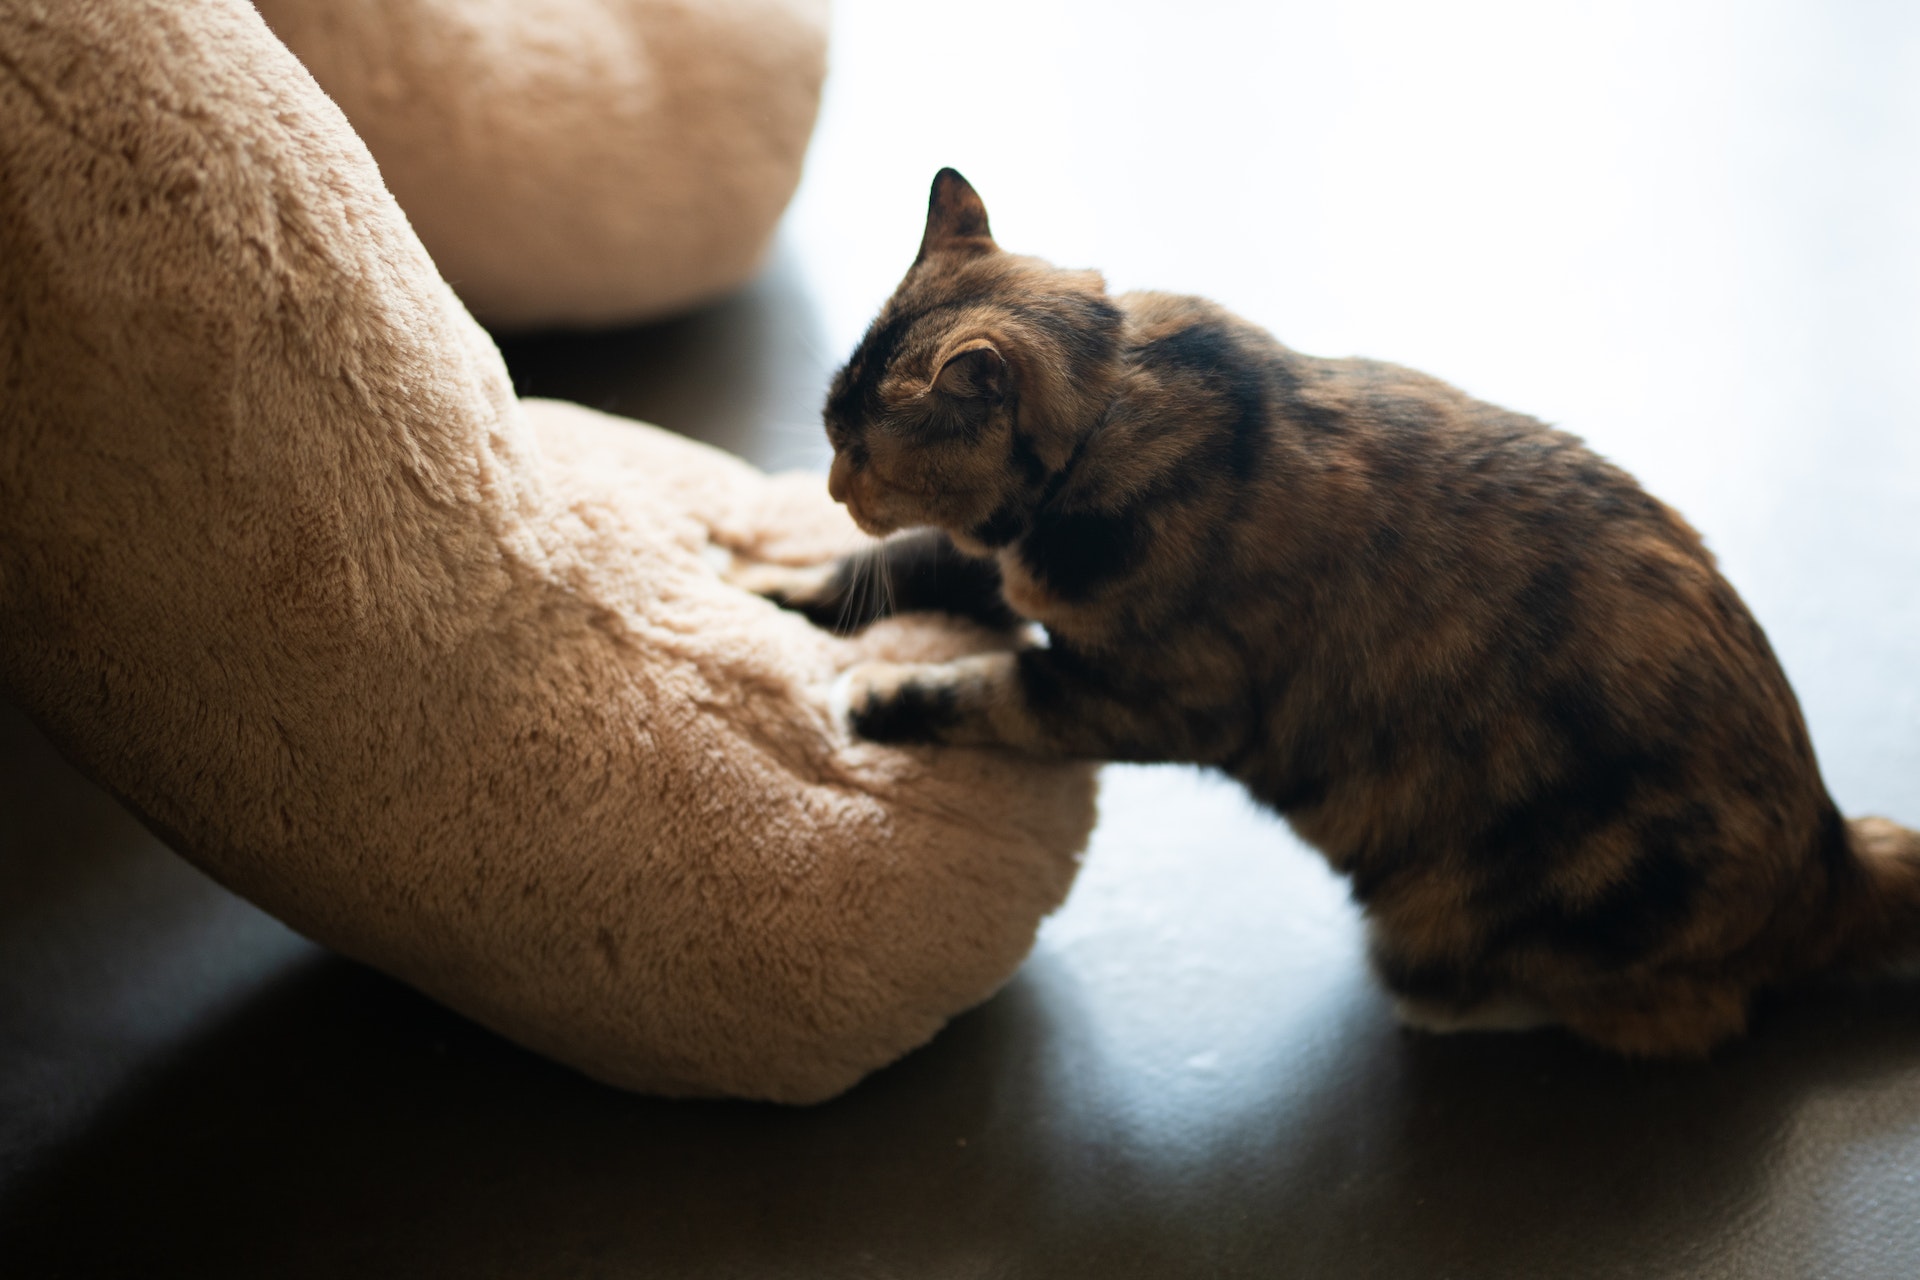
column 576, row 161
column 443, row 680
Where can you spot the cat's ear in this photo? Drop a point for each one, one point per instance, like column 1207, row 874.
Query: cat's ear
column 974, row 371
column 956, row 218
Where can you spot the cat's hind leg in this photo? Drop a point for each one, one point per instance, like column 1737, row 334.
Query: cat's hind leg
column 1655, row 1015
column 1444, row 998
column 1668, row 1017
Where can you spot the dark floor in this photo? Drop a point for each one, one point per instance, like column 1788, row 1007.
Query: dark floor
column 1692, row 237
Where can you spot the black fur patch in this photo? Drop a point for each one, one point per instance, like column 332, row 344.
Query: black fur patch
column 1215, row 731
column 1303, row 781
column 1291, row 402
column 1082, row 325
column 1432, row 981
column 915, row 712
column 1210, row 354
column 855, row 393
column 1028, row 463
column 852, row 599
column 929, row 574
column 1203, row 349
column 1598, row 779
column 1050, row 677
column 1076, row 552
column 1543, row 614
column 1001, row 528
column 1657, row 895
column 1835, row 847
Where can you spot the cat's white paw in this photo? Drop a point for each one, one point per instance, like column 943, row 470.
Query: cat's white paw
column 1504, row 1014
column 840, row 698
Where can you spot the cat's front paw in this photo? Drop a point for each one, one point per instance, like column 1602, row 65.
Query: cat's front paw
column 789, row 586
column 900, row 703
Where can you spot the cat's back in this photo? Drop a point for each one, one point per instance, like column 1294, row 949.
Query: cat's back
column 1374, row 459
column 1504, row 583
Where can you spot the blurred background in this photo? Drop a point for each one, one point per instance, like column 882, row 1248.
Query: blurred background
column 1688, row 232
column 1684, row 232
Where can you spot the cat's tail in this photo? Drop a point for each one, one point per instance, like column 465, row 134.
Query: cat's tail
column 1877, row 927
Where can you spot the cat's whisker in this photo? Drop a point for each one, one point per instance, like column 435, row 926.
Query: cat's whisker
column 847, row 593
column 853, row 601
column 886, row 585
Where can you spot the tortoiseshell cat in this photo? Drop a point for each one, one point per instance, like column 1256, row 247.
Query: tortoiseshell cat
column 1499, row 686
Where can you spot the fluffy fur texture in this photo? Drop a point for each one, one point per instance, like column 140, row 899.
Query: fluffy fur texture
column 444, row 680
column 1499, row 686
column 576, row 161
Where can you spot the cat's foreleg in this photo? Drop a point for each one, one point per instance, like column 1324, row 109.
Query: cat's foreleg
column 1029, row 700
column 841, row 595
column 911, row 573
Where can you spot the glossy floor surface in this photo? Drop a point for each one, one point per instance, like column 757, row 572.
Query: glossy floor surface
column 1690, row 233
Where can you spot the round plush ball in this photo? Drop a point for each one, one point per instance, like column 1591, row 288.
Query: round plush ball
column 576, row 162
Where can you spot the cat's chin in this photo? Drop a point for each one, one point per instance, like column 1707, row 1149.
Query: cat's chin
column 874, row 528
column 881, row 526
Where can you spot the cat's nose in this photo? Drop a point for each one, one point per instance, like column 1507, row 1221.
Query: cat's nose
column 839, row 477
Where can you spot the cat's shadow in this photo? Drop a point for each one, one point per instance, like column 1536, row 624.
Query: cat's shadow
column 339, row 1124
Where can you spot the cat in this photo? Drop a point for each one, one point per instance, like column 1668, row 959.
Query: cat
column 1500, row 687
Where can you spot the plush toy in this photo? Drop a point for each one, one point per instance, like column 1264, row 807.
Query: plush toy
column 445, row 680
column 576, row 161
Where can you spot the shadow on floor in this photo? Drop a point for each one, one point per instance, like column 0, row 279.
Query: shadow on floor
column 338, row 1123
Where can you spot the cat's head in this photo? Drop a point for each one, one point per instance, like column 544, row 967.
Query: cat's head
column 974, row 384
